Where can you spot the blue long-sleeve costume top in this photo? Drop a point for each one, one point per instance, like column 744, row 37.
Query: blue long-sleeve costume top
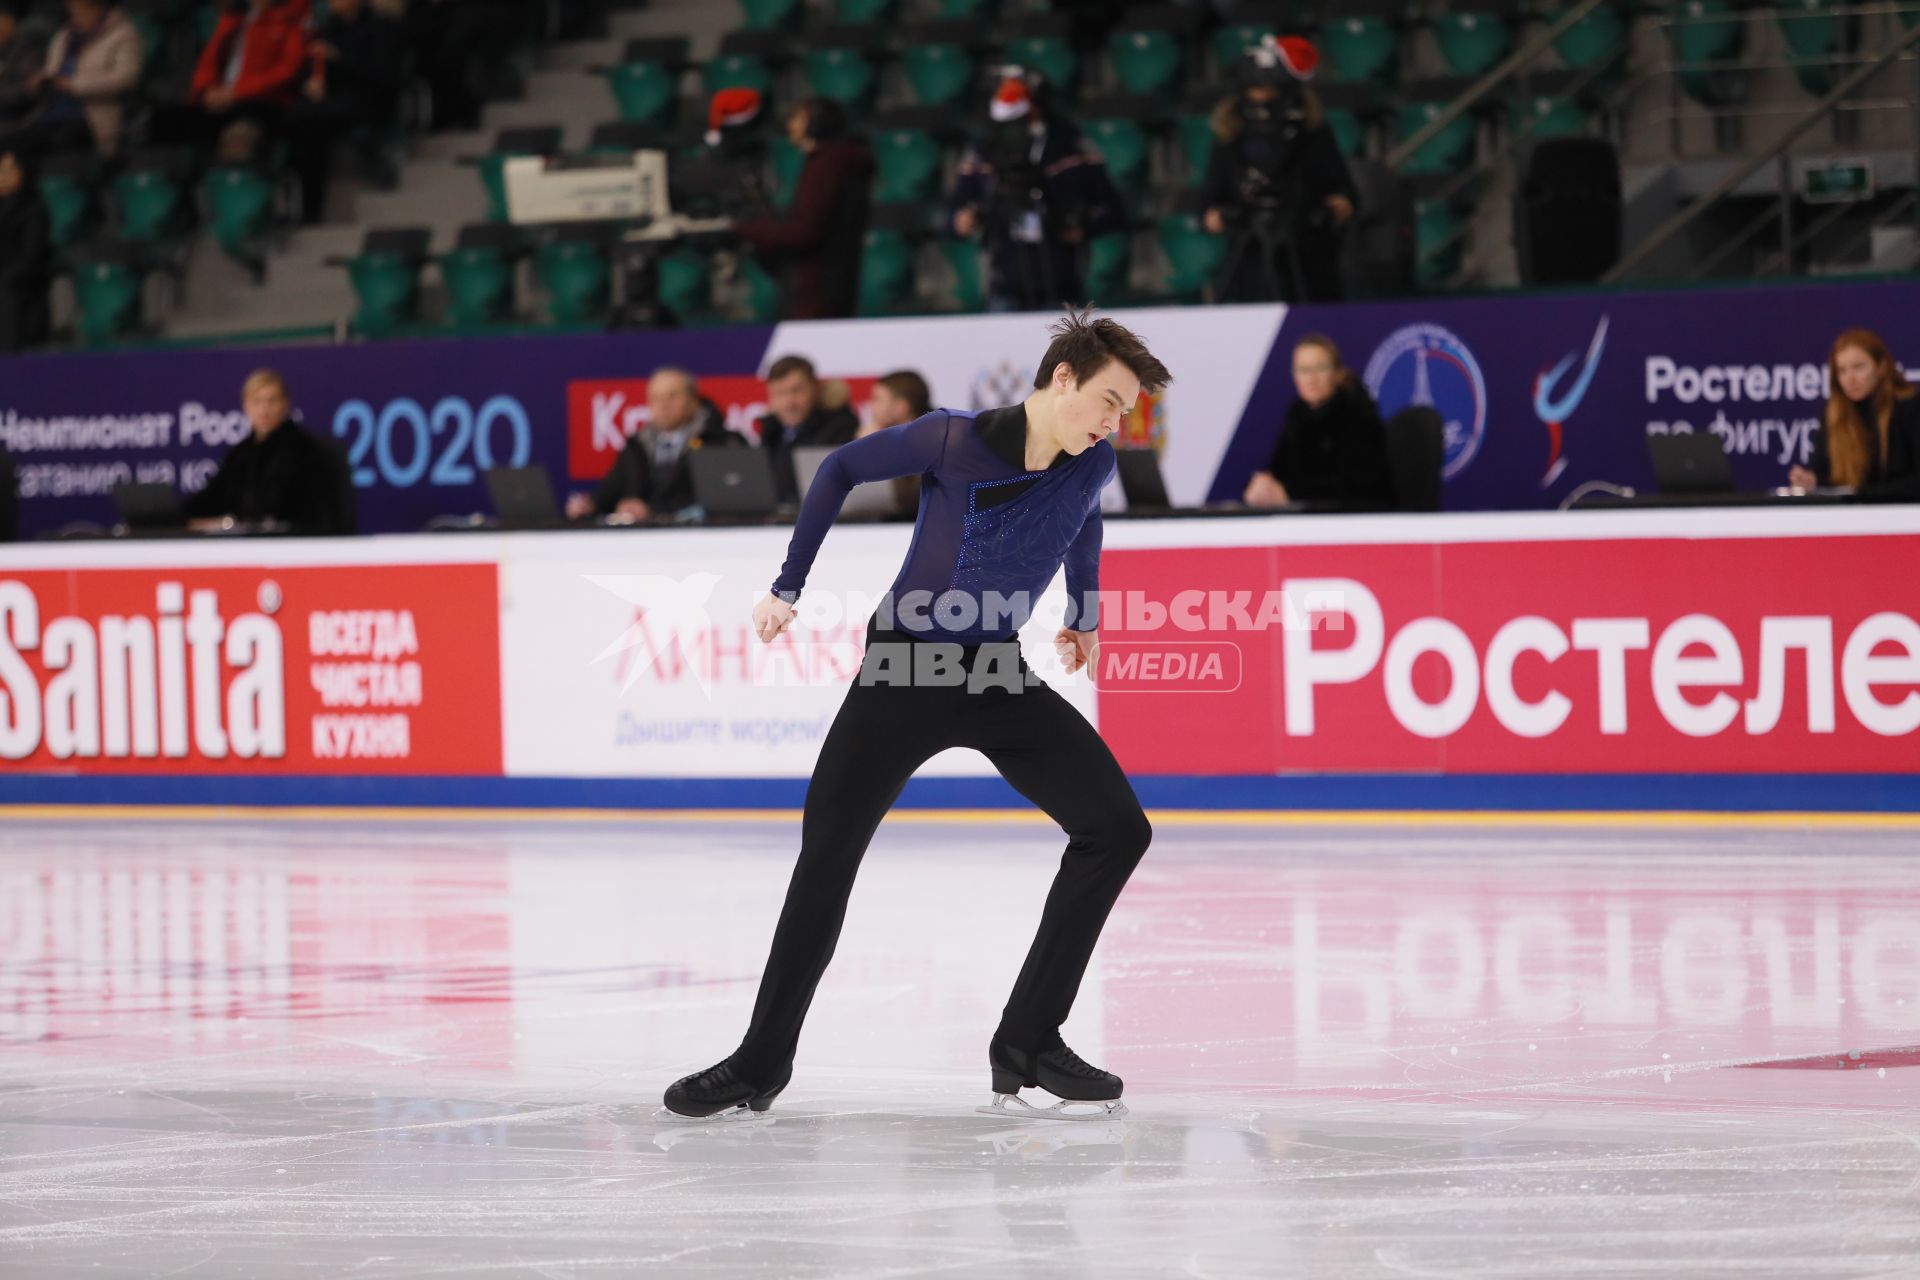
column 988, row 530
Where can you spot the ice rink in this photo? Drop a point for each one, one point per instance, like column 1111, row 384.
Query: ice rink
column 405, row 1048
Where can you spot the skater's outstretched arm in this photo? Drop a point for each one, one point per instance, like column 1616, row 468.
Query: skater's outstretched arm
column 910, row 450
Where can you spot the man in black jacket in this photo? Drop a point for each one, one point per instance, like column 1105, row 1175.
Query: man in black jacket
column 798, row 418
column 355, row 84
column 279, row 472
column 651, row 475
column 1038, row 193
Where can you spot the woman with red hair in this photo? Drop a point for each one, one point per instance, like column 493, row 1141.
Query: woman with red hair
column 1871, row 441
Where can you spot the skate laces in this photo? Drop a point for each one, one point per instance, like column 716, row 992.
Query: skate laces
column 1065, row 1059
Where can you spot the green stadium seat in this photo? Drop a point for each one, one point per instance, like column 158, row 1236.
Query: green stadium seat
column 763, row 292
column 1193, row 138
column 1447, row 152
column 1815, row 35
column 686, row 283
column 478, row 273
column 1546, row 116
column 963, row 259
column 107, row 287
column 1705, row 32
column 786, row 161
column 1349, row 130
column 1472, row 41
column 908, row 163
column 150, row 202
column 1361, row 47
column 1109, row 259
column 938, row 67
column 864, row 10
column 769, row 15
column 385, row 275
column 240, row 211
column 1437, row 242
column 1194, row 256
column 67, row 190
column 846, row 75
column 1594, row 40
column 644, row 92
column 1234, row 39
column 1043, row 42
column 736, row 71
column 387, row 288
column 971, row 10
column 1147, row 51
column 886, row 271
column 1123, row 145
column 578, row 278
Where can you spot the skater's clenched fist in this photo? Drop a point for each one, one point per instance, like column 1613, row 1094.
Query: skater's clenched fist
column 1074, row 647
column 771, row 616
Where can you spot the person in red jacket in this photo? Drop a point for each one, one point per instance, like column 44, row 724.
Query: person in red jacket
column 251, row 70
column 817, row 243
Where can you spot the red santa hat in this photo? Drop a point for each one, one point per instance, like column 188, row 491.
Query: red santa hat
column 1011, row 101
column 731, row 108
column 1297, row 55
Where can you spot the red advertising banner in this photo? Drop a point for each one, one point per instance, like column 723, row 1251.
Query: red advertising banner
column 371, row 669
column 1667, row 655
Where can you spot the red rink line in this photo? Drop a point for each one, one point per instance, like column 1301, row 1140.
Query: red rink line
column 1857, row 1060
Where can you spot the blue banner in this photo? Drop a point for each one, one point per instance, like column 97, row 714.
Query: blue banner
column 1541, row 394
column 420, row 420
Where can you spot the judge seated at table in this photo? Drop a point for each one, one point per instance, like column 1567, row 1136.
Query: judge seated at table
column 652, row 475
column 1333, row 446
column 1870, row 438
column 280, row 472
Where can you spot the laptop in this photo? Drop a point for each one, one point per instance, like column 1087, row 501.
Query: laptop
column 149, row 506
column 732, row 482
column 874, row 500
column 1140, row 480
column 1690, row 463
column 522, row 497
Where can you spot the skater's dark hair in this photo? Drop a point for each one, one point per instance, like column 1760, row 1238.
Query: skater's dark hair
column 791, row 364
column 910, row 387
column 1085, row 345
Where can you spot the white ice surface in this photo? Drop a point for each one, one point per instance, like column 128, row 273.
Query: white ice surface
column 409, row 1049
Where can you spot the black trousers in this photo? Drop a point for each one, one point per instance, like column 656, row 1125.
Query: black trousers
column 883, row 732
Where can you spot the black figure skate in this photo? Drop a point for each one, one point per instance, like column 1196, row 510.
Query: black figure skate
column 721, row 1090
column 1085, row 1091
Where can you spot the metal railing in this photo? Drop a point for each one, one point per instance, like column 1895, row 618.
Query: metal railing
column 1513, row 64
column 1774, row 154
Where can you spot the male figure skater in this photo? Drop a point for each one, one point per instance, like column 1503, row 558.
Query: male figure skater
column 1006, row 496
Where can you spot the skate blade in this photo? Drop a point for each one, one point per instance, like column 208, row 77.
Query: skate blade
column 1013, row 1106
column 731, row 1117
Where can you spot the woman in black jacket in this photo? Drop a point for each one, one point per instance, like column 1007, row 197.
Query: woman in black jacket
column 1333, row 446
column 1871, row 438
column 26, row 255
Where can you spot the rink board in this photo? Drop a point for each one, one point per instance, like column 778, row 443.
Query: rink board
column 1725, row 660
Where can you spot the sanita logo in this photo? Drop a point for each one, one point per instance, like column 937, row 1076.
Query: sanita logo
column 1555, row 398
column 142, row 687
column 1424, row 364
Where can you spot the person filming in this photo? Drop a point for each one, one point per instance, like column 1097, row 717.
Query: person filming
column 1276, row 182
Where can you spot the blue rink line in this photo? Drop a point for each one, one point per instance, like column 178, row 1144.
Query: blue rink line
column 1709, row 793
